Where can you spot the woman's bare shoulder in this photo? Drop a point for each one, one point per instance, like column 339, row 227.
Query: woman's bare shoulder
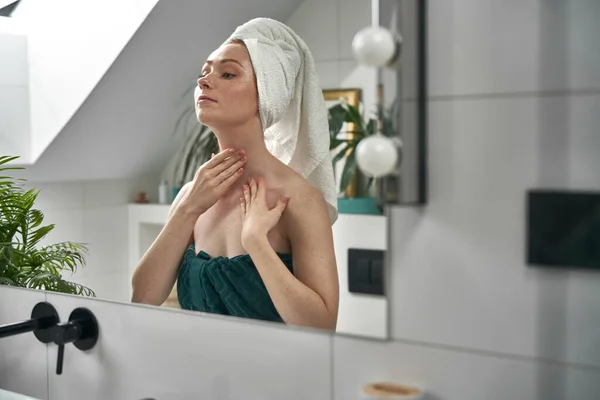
column 304, row 197
column 306, row 218
column 294, row 183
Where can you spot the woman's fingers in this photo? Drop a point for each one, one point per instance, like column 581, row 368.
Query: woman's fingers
column 229, row 180
column 243, row 205
column 247, row 196
column 225, row 164
column 253, row 189
column 232, row 170
column 261, row 191
column 219, row 158
column 280, row 205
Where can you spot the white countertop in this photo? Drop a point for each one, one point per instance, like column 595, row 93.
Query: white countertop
column 4, row 395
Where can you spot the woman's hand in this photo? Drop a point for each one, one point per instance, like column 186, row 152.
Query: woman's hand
column 213, row 179
column 257, row 218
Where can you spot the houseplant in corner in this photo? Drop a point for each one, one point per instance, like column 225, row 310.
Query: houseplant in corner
column 343, row 143
column 23, row 262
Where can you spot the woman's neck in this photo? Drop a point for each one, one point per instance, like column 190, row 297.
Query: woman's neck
column 250, row 139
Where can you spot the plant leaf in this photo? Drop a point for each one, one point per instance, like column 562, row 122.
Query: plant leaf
column 349, row 169
column 369, row 182
column 336, row 118
column 353, row 115
column 372, row 126
column 336, row 142
column 6, row 281
column 21, row 229
column 340, row 154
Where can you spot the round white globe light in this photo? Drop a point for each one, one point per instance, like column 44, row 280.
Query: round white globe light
column 374, row 46
column 376, row 155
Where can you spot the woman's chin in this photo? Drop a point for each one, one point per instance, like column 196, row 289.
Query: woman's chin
column 205, row 118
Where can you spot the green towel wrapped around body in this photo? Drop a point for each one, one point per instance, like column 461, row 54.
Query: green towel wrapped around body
column 227, row 286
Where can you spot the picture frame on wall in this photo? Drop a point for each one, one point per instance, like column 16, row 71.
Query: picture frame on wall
column 351, row 96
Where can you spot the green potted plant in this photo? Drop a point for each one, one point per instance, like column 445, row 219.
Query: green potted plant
column 23, row 262
column 343, row 142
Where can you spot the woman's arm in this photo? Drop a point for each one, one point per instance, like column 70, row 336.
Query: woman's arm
column 310, row 297
column 156, row 273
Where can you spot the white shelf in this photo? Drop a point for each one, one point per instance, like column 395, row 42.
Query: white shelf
column 144, row 223
column 148, row 213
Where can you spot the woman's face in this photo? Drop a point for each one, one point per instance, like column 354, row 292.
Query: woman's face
column 226, row 93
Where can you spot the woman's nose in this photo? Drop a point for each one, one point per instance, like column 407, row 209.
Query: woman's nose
column 203, row 83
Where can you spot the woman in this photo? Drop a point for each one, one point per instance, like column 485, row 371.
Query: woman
column 250, row 236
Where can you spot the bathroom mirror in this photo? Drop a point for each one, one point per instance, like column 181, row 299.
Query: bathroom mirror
column 101, row 123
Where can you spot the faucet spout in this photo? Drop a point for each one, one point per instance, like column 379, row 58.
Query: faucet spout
column 19, row 327
column 43, row 318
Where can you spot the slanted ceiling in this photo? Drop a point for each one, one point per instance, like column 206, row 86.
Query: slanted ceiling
column 125, row 126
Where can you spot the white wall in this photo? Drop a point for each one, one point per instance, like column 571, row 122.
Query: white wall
column 360, row 314
column 328, row 27
column 14, row 91
column 95, row 212
column 144, row 352
column 513, row 104
column 71, row 45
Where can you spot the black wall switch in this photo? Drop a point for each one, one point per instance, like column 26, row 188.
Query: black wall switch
column 365, row 271
column 563, row 229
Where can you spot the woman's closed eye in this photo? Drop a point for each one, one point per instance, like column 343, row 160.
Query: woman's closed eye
column 226, row 75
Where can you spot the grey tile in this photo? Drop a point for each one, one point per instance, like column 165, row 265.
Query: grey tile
column 22, row 357
column 216, row 358
column 458, row 265
column 447, row 374
column 512, row 46
column 315, row 21
column 354, row 15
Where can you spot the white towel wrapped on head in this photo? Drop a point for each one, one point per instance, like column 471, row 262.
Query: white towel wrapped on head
column 291, row 104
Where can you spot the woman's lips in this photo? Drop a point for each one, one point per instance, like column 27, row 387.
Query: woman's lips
column 204, row 99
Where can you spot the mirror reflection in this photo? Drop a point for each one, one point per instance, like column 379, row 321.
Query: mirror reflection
column 230, row 188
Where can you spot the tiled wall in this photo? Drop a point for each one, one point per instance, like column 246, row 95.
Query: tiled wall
column 23, row 363
column 95, row 213
column 448, row 373
column 145, row 352
column 328, row 27
column 514, row 95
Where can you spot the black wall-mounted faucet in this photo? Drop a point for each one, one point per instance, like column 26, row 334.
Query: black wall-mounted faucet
column 81, row 329
column 43, row 318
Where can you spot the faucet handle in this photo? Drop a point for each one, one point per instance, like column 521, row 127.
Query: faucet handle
column 81, row 330
column 47, row 318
